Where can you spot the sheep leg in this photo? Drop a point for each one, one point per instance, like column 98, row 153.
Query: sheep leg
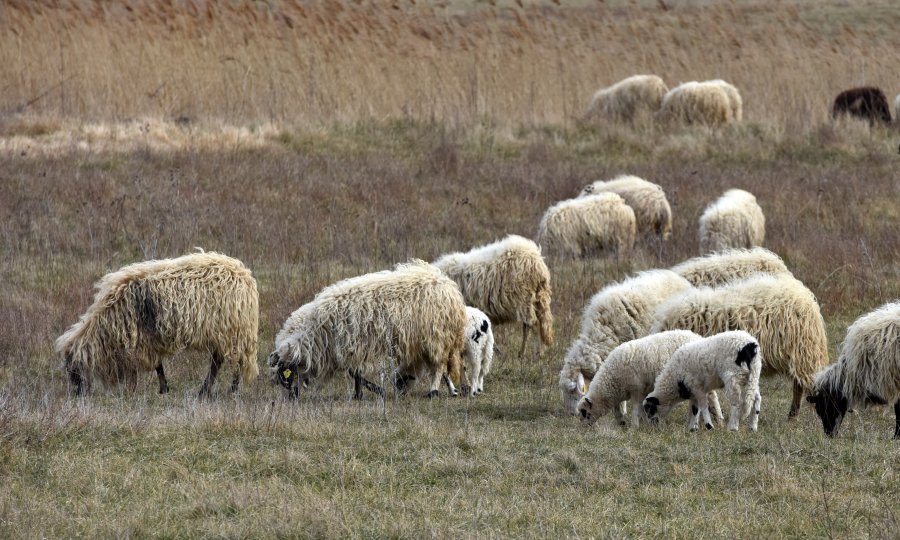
column 357, row 384
column 754, row 412
column 715, row 408
column 163, row 383
column 236, row 381
column 476, row 376
column 435, row 384
column 401, row 382
column 524, row 341
column 734, row 396
column 450, row 386
column 703, row 404
column 897, row 420
column 795, row 403
column 636, row 412
column 694, row 417
column 214, row 365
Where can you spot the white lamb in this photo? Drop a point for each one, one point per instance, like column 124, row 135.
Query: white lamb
column 867, row 371
column 628, row 374
column 734, row 220
column 479, row 351
column 730, row 360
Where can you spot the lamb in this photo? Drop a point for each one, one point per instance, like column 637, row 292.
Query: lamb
column 509, row 281
column 652, row 212
column 585, row 226
column 628, row 374
column 413, row 315
column 479, row 351
column 620, row 312
column 696, row 103
column 729, row 360
column 628, row 100
column 734, row 98
column 729, row 265
column 149, row 310
column 867, row 371
column 778, row 309
column 867, row 102
column 735, row 220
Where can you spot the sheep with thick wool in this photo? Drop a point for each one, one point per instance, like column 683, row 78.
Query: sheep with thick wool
column 628, row 100
column 628, row 374
column 867, row 371
column 729, row 265
column 734, row 220
column 778, row 309
column 620, row 312
column 652, row 212
column 589, row 225
column 734, row 98
column 507, row 280
column 694, row 103
column 413, row 317
column 729, row 360
column 147, row 311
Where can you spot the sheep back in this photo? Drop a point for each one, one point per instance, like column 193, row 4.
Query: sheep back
column 652, row 212
column 729, row 265
column 629, row 99
column 734, row 220
column 588, row 225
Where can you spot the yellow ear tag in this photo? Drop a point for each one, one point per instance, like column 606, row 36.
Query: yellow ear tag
column 286, row 374
column 583, row 388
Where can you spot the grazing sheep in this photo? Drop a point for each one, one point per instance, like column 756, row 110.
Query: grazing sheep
column 778, row 309
column 588, row 225
column 628, row 375
column 734, row 98
column 867, row 102
column 729, row 265
column 479, row 349
column 734, row 220
column 628, row 100
column 867, row 371
column 413, row 316
column 149, row 310
column 696, row 103
column 652, row 212
column 729, row 360
column 509, row 281
column 620, row 312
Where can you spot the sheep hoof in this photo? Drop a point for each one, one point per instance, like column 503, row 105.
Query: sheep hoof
column 693, row 429
column 709, row 426
column 164, row 389
column 432, row 394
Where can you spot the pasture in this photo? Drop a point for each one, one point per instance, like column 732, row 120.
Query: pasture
column 328, row 140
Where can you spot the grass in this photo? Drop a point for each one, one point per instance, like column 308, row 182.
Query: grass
column 97, row 173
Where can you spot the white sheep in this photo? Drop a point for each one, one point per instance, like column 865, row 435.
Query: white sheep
column 147, row 311
column 509, row 281
column 734, row 220
column 728, row 360
column 628, row 100
column 734, row 98
column 730, row 265
column 778, row 309
column 479, row 351
column 628, row 374
column 867, row 371
column 586, row 226
column 652, row 212
column 696, row 103
column 620, row 312
column 413, row 316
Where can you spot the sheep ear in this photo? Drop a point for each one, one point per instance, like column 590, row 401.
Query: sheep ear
column 571, row 385
column 582, row 387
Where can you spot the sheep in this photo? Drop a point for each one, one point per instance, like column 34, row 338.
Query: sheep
column 146, row 311
column 628, row 100
column 585, row 226
column 867, row 371
column 620, row 312
column 479, row 351
column 734, row 98
column 509, row 281
column 867, row 102
column 897, row 108
column 414, row 315
column 696, row 103
column 628, row 375
column 728, row 360
column 652, row 212
column 729, row 265
column 778, row 309
column 734, row 220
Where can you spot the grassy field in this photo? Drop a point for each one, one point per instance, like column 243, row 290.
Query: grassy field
column 322, row 141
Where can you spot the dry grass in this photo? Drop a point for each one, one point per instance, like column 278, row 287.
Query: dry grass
column 290, row 169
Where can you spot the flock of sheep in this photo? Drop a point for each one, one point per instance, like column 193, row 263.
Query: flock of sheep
column 714, row 322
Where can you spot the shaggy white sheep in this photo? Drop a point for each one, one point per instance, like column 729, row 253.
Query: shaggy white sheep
column 628, row 375
column 730, row 265
column 729, row 360
column 509, row 281
column 589, row 225
column 413, row 316
column 652, row 212
column 628, row 100
column 149, row 310
column 778, row 309
column 696, row 103
column 620, row 312
column 735, row 220
column 867, row 371
column 734, row 98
